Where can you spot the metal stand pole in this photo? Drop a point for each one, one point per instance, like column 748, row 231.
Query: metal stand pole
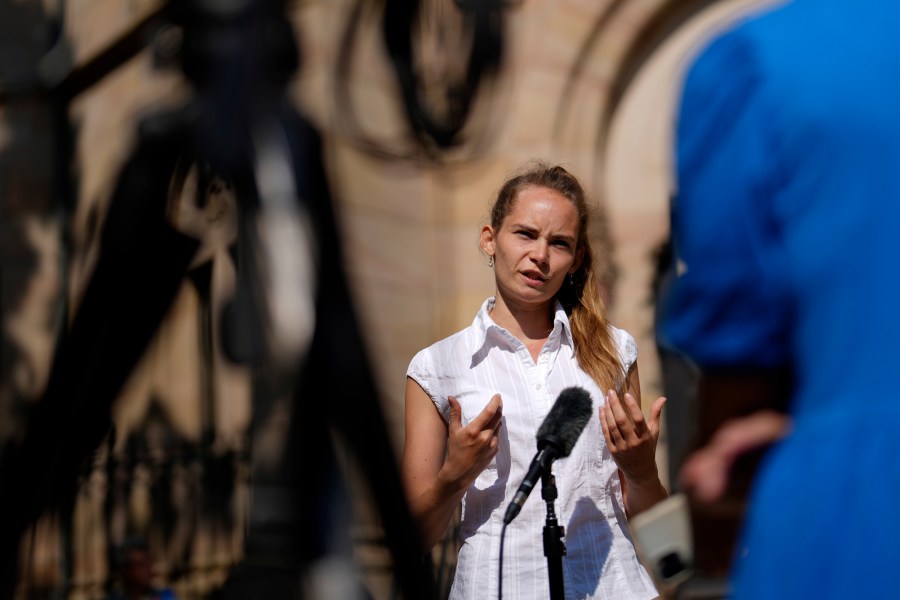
column 554, row 548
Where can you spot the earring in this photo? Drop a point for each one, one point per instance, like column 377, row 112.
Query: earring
column 491, row 260
column 571, row 279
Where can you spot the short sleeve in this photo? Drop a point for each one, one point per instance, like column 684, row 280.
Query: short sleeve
column 726, row 305
column 627, row 347
column 421, row 370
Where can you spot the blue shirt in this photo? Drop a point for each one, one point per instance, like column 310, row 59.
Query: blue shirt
column 786, row 226
column 787, row 216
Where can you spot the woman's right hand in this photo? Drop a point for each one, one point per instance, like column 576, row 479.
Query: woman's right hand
column 470, row 449
column 441, row 458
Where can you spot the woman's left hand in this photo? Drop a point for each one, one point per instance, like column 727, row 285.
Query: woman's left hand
column 630, row 437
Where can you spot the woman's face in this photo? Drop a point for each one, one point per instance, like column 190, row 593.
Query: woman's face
column 535, row 247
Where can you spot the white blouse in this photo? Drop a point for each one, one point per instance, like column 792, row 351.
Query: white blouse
column 473, row 365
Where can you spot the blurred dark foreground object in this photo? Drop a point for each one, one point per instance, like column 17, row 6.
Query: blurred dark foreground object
column 240, row 125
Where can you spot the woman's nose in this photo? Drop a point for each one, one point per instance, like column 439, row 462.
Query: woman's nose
column 540, row 252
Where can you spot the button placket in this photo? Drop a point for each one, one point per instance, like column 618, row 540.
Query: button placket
column 542, row 369
column 542, row 375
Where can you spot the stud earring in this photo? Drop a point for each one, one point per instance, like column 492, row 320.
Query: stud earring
column 491, row 260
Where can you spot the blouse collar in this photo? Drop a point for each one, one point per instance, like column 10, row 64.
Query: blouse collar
column 487, row 331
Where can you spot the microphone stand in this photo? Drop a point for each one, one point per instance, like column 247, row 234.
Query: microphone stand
column 554, row 547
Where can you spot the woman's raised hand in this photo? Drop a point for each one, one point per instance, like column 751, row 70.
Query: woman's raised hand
column 471, row 448
column 631, row 438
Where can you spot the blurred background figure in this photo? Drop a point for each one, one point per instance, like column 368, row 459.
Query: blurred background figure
column 136, row 574
column 785, row 234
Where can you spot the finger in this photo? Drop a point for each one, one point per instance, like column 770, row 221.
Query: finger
column 495, row 433
column 497, row 417
column 705, row 475
column 603, row 426
column 455, row 413
column 487, row 437
column 612, row 427
column 633, row 411
column 490, row 415
column 656, row 415
column 748, row 433
column 620, row 417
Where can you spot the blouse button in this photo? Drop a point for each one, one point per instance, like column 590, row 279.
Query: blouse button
column 537, row 386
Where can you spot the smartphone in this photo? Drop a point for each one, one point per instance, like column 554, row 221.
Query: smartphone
column 662, row 537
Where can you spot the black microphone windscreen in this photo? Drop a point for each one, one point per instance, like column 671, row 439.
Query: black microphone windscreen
column 567, row 418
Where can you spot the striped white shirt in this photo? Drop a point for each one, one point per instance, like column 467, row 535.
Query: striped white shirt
column 485, row 359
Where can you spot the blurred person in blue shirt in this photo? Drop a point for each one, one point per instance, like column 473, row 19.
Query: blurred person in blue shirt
column 786, row 230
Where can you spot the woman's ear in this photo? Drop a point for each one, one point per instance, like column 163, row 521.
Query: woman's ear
column 487, row 240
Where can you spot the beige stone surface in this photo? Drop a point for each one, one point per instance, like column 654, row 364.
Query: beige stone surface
column 432, row 248
column 92, row 25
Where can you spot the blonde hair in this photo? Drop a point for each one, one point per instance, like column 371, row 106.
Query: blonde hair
column 581, row 297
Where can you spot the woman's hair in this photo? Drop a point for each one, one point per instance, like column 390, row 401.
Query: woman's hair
column 595, row 348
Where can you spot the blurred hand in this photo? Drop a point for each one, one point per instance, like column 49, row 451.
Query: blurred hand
column 706, row 472
column 631, row 438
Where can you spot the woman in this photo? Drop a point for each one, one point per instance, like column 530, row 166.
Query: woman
column 475, row 400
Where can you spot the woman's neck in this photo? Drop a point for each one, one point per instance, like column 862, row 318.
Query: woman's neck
column 526, row 322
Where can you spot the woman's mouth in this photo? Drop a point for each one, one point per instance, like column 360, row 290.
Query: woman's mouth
column 533, row 277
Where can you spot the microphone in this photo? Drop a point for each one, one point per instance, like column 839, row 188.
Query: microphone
column 555, row 439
